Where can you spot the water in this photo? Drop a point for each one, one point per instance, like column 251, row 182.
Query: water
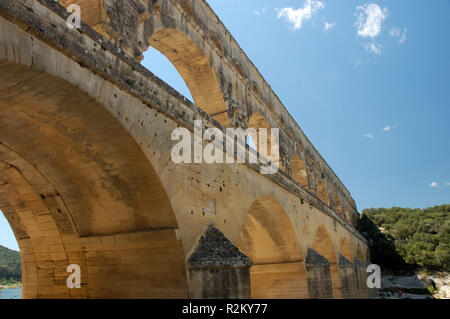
column 13, row 293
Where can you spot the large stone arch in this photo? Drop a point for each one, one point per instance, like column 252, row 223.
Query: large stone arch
column 195, row 69
column 148, row 111
column 243, row 87
column 268, row 237
column 79, row 189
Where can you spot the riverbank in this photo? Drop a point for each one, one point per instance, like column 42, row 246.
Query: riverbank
column 416, row 286
column 11, row 286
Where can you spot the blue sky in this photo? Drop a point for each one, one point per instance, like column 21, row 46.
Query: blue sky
column 368, row 82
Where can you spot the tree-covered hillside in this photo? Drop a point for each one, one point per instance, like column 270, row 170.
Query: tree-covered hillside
column 404, row 238
column 10, row 269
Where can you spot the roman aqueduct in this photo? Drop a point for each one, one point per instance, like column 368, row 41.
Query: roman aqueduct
column 86, row 175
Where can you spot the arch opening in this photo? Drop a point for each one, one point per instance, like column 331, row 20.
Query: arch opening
column 195, row 69
column 165, row 70
column 10, row 264
column 257, row 121
column 323, row 245
column 359, row 254
column 346, row 215
column 346, row 250
column 299, row 172
column 79, row 190
column 329, row 284
column 337, row 206
column 268, row 237
column 322, row 192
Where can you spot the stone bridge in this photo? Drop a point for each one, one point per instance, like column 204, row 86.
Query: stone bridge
column 86, row 175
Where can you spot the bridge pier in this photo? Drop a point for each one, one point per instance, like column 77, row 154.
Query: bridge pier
column 348, row 280
column 319, row 275
column 362, row 291
column 217, row 269
column 283, row 280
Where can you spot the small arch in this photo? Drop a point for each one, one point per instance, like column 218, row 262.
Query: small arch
column 299, row 171
column 359, row 254
column 258, row 121
column 337, row 206
column 164, row 69
column 322, row 192
column 346, row 214
column 195, row 69
column 323, row 244
column 268, row 237
column 346, row 250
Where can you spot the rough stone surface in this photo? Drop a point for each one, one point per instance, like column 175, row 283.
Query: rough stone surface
column 215, row 250
column 314, row 258
column 409, row 282
column 85, row 150
column 359, row 263
column 344, row 262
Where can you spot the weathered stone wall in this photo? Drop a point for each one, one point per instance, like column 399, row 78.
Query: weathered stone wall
column 235, row 89
column 85, row 136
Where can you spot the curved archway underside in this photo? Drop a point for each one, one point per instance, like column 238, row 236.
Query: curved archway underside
column 195, row 69
column 269, row 239
column 257, row 121
column 77, row 189
column 322, row 192
column 299, row 172
column 346, row 250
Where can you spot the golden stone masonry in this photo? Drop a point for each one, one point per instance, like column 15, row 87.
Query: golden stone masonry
column 86, row 175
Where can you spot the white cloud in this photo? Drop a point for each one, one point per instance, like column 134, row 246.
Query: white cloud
column 329, row 26
column 370, row 20
column 395, row 32
column 434, row 184
column 259, row 12
column 357, row 62
column 373, row 48
column 387, row 129
column 369, row 25
column 368, row 135
column 398, row 33
column 296, row 17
